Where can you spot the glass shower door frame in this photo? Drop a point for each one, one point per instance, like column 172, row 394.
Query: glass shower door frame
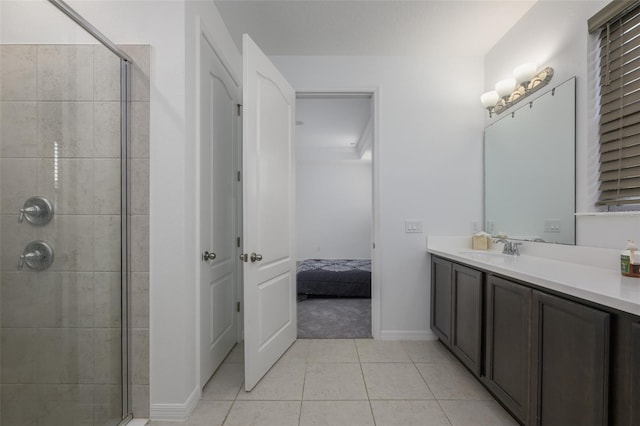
column 125, row 137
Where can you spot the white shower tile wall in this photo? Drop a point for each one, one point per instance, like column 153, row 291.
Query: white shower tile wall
column 60, row 328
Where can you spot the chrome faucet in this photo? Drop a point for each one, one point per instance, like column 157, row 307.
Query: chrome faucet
column 510, row 247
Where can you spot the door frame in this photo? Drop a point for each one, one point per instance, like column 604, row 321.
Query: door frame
column 376, row 252
column 202, row 31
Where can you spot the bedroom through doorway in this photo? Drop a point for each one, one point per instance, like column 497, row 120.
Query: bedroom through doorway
column 334, row 214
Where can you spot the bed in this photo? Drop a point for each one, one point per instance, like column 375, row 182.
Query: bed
column 334, row 277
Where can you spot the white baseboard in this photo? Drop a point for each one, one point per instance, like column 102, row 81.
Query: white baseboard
column 180, row 412
column 407, row 335
column 138, row 422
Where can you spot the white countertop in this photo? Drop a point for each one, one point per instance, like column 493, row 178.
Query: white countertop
column 587, row 273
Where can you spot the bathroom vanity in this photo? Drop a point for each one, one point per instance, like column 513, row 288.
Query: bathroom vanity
column 554, row 333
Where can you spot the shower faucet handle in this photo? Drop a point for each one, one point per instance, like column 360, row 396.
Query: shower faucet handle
column 37, row 255
column 28, row 211
column 36, row 210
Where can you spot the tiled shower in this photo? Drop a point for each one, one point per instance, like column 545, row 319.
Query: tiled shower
column 62, row 327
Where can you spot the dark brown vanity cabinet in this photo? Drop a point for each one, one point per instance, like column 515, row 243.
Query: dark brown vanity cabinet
column 508, row 312
column 456, row 310
column 441, row 299
column 548, row 359
column 570, row 363
column 635, row 375
column 466, row 316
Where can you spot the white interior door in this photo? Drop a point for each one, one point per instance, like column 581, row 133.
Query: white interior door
column 268, row 213
column 219, row 99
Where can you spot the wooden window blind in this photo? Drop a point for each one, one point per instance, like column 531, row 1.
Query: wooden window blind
column 619, row 77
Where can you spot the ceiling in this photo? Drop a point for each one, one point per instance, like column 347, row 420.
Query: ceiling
column 372, row 28
column 363, row 28
column 332, row 127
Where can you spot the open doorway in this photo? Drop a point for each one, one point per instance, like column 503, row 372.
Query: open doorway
column 334, row 220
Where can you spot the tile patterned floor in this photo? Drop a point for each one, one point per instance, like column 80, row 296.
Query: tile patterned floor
column 349, row 382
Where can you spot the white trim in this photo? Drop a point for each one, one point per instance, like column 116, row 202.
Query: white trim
column 196, row 186
column 137, row 422
column 180, row 412
column 407, row 335
column 376, row 255
column 609, row 214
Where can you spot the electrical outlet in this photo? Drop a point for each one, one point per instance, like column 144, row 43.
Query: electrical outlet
column 552, row 226
column 412, row 226
column 491, row 227
column 475, row 227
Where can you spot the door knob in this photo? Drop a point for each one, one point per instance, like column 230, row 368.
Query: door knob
column 244, row 257
column 255, row 257
column 208, row 256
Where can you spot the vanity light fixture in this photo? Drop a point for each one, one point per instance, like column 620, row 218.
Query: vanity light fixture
column 527, row 79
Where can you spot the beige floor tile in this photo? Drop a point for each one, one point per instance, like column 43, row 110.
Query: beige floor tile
column 452, row 381
column 264, row 413
column 282, row 383
column 476, row 413
column 409, row 413
column 225, row 383
column 209, row 413
column 336, row 413
column 327, row 382
column 236, row 355
column 370, row 350
column 395, row 381
column 428, row 352
column 162, row 423
column 297, row 353
column 338, row 350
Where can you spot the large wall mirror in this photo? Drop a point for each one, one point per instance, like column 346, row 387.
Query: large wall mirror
column 529, row 169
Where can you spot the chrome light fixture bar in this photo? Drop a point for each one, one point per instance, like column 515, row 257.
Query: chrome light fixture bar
column 508, row 92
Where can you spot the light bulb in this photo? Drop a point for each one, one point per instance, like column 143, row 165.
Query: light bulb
column 525, row 72
column 505, row 87
column 489, row 99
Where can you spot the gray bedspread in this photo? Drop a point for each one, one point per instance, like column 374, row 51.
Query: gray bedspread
column 334, row 277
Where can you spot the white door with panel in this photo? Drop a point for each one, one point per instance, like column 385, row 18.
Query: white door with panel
column 219, row 126
column 268, row 213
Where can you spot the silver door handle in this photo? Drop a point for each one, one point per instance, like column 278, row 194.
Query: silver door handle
column 255, row 257
column 208, row 256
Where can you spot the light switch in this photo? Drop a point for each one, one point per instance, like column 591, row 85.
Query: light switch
column 412, row 226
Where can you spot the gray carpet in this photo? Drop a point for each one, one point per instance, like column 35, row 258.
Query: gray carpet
column 334, row 318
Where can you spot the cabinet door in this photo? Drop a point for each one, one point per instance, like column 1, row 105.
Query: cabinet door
column 635, row 374
column 441, row 299
column 466, row 336
column 570, row 363
column 507, row 348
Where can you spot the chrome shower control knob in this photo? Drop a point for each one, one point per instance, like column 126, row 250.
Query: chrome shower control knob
column 37, row 255
column 36, row 210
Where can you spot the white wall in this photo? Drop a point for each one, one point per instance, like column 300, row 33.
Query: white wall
column 333, row 209
column 428, row 157
column 554, row 33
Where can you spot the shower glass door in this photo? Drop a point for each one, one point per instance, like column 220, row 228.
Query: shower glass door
column 61, row 223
